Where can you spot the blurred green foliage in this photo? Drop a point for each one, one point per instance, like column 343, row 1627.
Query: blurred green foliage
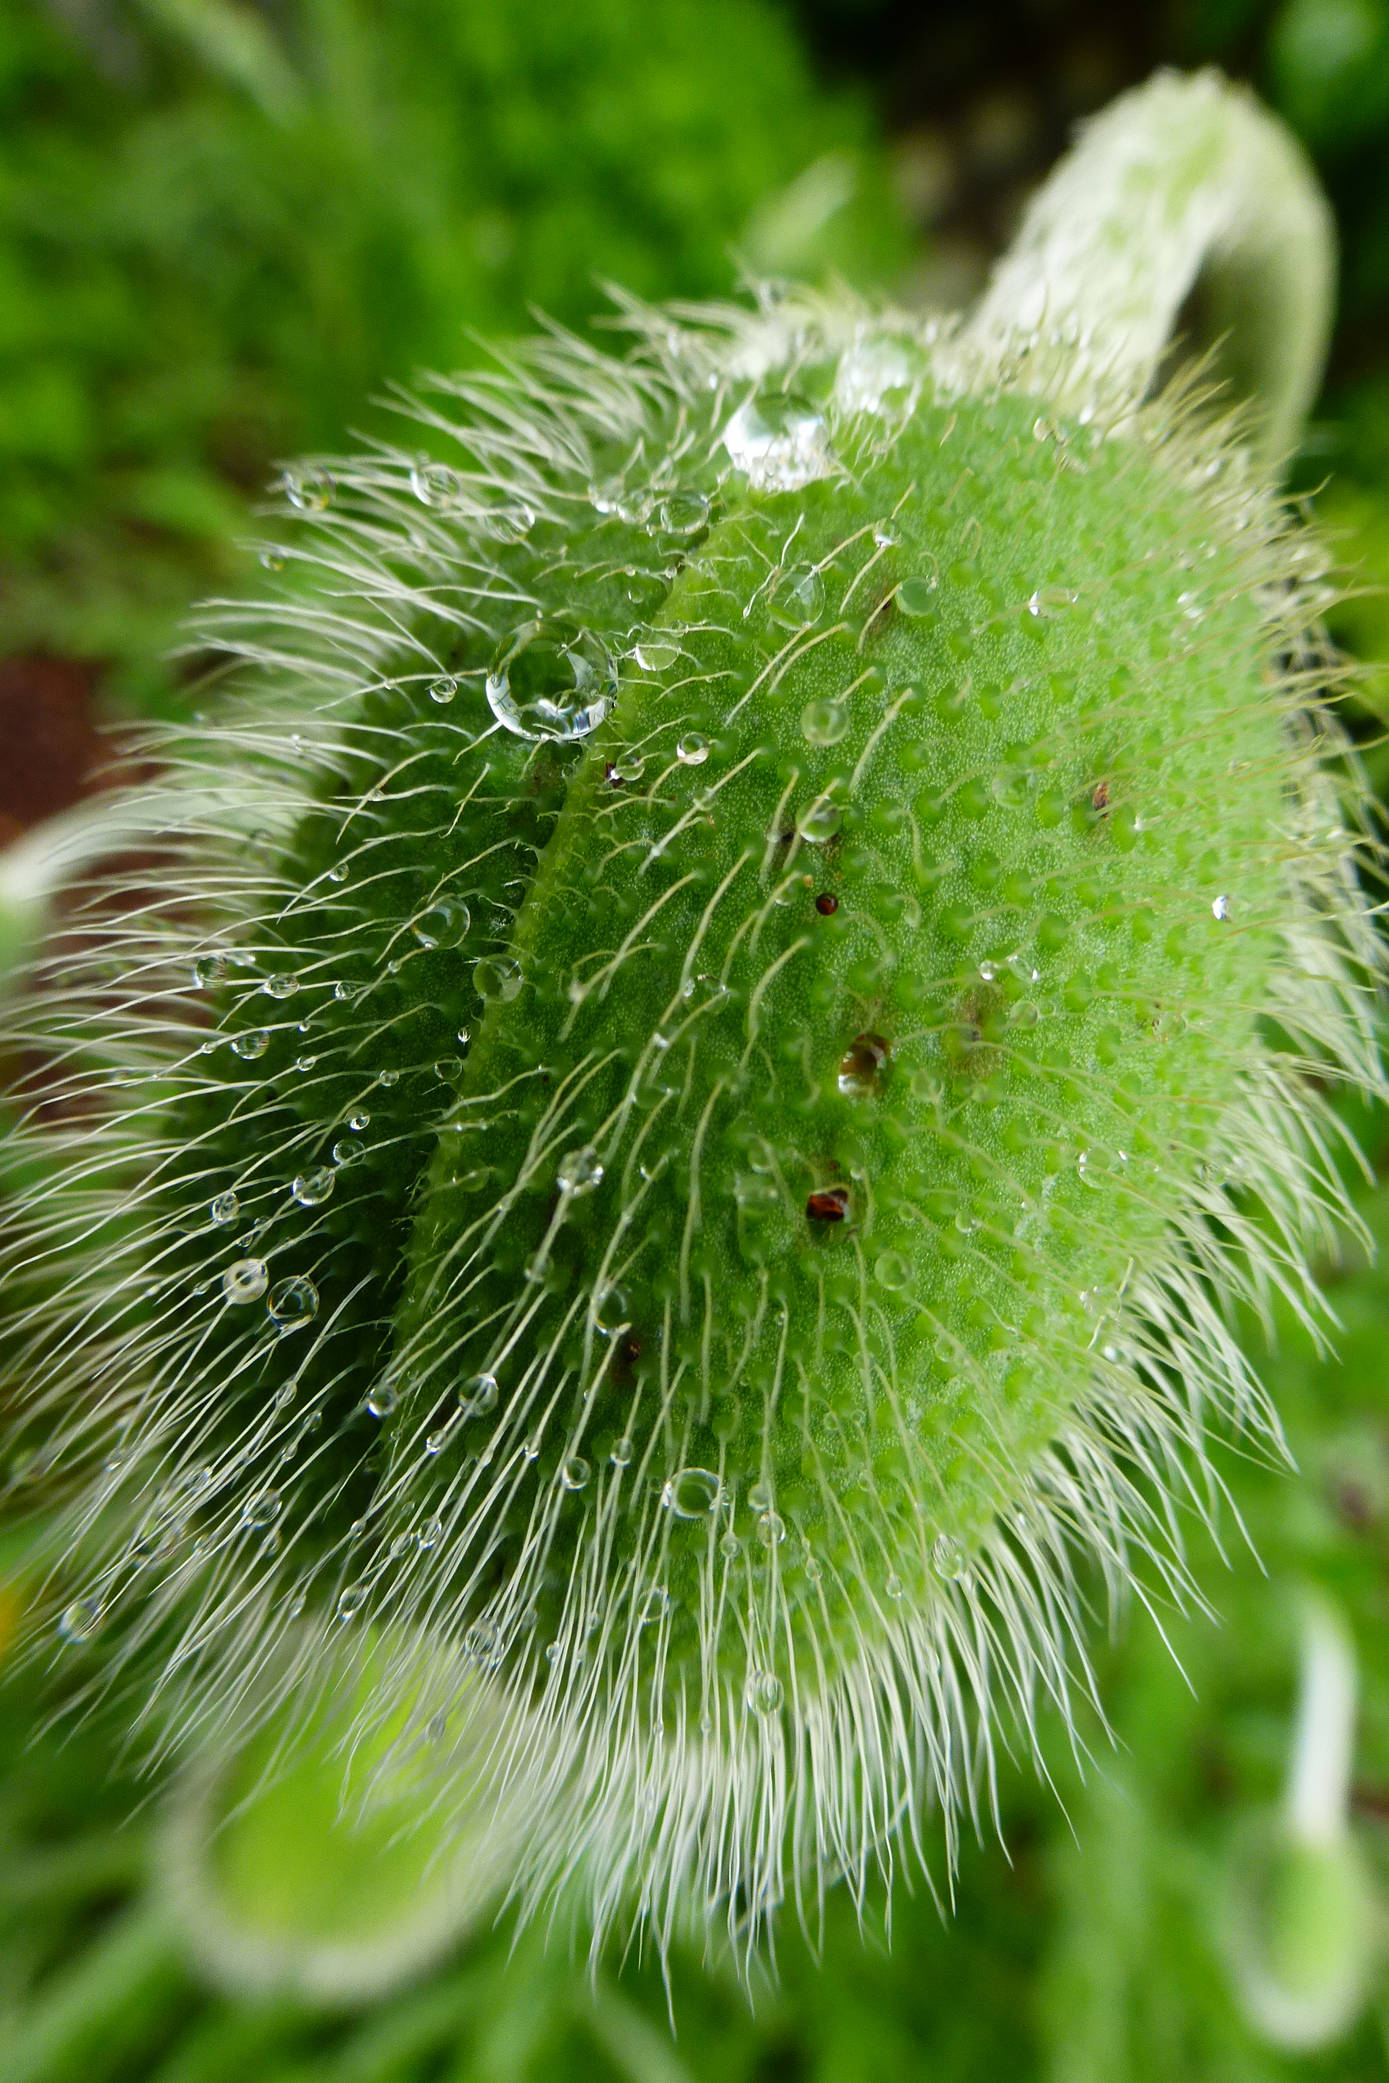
column 225, row 225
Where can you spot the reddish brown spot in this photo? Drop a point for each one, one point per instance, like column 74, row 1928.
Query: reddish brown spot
column 826, row 904
column 1099, row 801
column 830, row 1205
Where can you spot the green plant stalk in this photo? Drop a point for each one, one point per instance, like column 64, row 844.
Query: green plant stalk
column 714, row 1045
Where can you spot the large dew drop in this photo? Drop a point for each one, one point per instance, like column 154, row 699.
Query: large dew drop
column 778, row 442
column 293, row 1303
column 551, row 678
column 692, row 1493
column 580, row 1172
column 246, row 1281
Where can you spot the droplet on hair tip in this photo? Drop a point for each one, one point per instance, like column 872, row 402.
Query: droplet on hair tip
column 246, row 1281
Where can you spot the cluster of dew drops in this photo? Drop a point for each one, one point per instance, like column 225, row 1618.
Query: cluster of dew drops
column 552, row 679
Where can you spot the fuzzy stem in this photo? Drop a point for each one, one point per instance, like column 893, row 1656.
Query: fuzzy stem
column 1184, row 189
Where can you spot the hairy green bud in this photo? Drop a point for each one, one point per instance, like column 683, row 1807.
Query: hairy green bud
column 711, row 1050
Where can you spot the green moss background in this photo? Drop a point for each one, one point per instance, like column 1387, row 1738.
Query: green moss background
column 226, row 228
column 223, row 229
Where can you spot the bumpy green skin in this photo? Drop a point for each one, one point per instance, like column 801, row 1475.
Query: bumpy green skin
column 1008, row 1048
column 707, row 1216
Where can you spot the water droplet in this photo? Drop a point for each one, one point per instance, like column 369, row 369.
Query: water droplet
column 351, row 1601
column 692, row 1493
column 574, row 1472
column 483, row 1644
column 891, row 1271
column 894, row 1586
column 510, row 523
column 443, row 692
column 309, row 489
column 580, row 1172
column 388, row 1078
column 435, row 1442
column 798, row 597
column 771, row 1529
column 434, row 484
column 611, row 1311
column 270, row 560
column 684, row 513
column 1220, row 908
column 360, row 1120
column 497, row 978
column 765, row 1692
column 621, row 1454
column 654, row 1606
column 861, row 1066
column 616, row 497
column 311, row 1189
column 431, row 1533
column 209, row 970
column 778, row 442
column 820, row 822
column 478, row 1395
column 444, row 924
column 249, row 1046
column 225, row 1208
column 281, row 985
column 383, row 1399
column 916, row 597
column 263, row 1509
column 692, row 750
column 656, row 654
column 447, row 1068
column 824, row 723
column 246, row 1281
column 345, row 1152
column 1010, row 787
column 949, row 1558
column 1089, row 1173
column 293, row 1303
column 551, row 678
column 730, row 1546
column 80, row 1620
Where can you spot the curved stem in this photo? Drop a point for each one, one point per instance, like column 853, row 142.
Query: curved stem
column 1184, row 189
column 1319, row 1769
